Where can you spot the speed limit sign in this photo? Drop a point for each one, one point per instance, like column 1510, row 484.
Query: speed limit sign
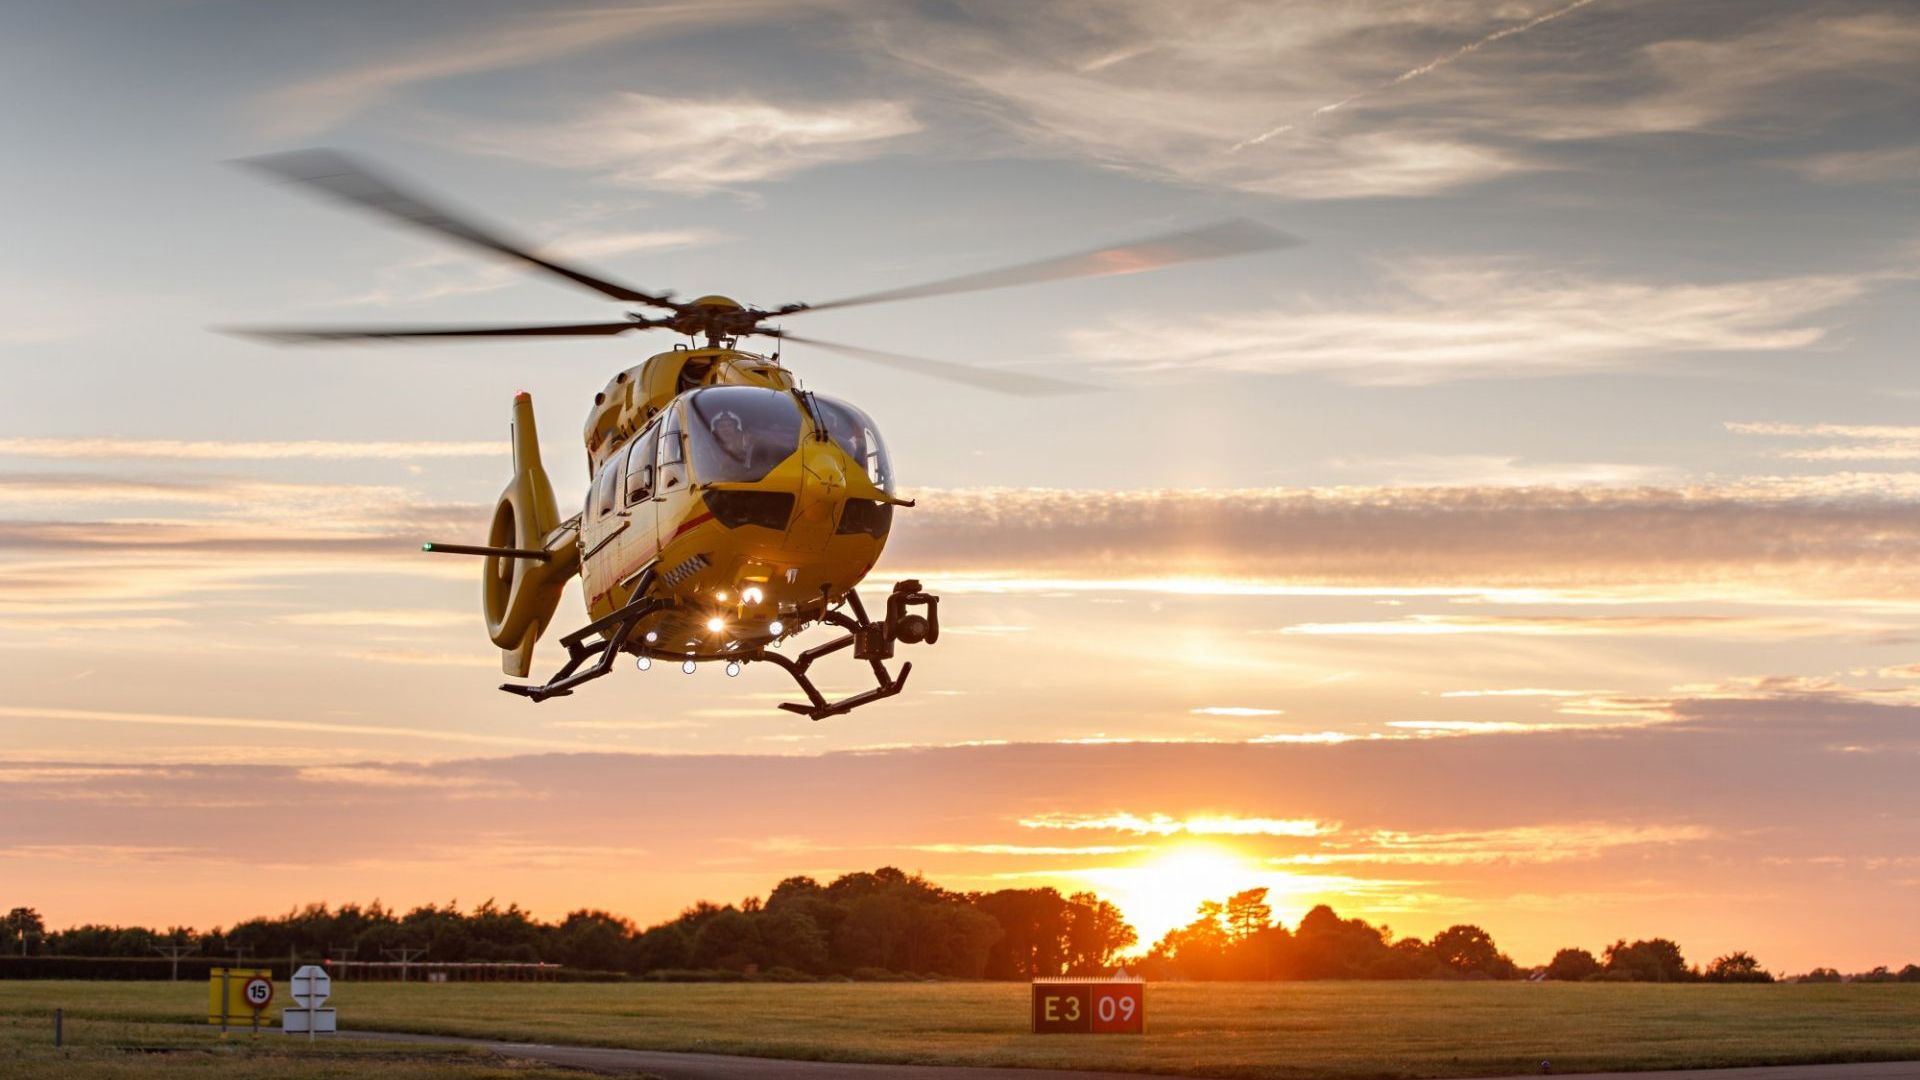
column 258, row 992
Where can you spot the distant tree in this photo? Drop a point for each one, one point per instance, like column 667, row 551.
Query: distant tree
column 1197, row 950
column 1572, row 965
column 24, row 924
column 727, row 940
column 790, row 938
column 1468, row 950
column 593, row 940
column 1877, row 975
column 1738, row 967
column 1246, row 914
column 1910, row 973
column 669, row 945
column 1034, row 932
column 1820, row 975
column 1325, row 946
column 1096, row 934
column 1407, row 958
column 1650, row 960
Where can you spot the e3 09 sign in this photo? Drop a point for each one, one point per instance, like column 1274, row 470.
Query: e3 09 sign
column 1096, row 1006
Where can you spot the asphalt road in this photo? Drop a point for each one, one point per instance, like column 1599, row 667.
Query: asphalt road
column 678, row 1066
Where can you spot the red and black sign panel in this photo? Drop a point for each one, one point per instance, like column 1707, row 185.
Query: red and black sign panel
column 1089, row 1007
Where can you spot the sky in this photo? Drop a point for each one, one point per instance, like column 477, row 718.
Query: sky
column 1532, row 545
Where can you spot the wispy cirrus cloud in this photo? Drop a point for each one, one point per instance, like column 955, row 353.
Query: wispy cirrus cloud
column 1445, row 319
column 1763, row 538
column 246, row 723
column 443, row 274
column 123, row 449
column 1165, row 825
column 1400, row 98
column 321, row 101
column 699, row 144
column 1554, row 843
column 1723, row 627
column 1896, row 163
column 1861, row 442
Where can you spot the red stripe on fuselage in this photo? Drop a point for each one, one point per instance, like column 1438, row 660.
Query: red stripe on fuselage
column 691, row 524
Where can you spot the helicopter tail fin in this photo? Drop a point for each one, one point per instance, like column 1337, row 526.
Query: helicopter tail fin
column 520, row 589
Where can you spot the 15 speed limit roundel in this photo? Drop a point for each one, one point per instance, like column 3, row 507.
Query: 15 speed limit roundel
column 258, row 992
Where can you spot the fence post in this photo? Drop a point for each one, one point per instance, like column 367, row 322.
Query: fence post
column 59, row 1027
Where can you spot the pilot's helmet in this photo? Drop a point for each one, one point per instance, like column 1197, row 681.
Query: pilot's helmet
column 727, row 416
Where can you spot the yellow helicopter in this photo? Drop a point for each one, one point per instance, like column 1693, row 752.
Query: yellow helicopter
column 729, row 509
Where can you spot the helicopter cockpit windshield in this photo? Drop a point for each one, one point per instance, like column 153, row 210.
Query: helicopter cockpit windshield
column 739, row 433
column 853, row 430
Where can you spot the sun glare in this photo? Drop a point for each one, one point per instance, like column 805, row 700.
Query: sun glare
column 1166, row 891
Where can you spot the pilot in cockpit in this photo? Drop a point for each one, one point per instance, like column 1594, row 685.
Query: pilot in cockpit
column 730, row 435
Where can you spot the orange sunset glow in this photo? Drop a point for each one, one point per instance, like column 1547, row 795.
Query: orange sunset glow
column 1454, row 464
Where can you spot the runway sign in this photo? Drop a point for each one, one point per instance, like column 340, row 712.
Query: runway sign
column 1099, row 1005
column 234, row 993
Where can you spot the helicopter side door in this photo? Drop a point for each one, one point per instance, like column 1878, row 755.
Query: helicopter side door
column 600, row 527
column 639, row 545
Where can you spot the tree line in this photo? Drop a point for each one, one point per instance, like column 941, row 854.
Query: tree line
column 1237, row 938
column 882, row 924
column 890, row 924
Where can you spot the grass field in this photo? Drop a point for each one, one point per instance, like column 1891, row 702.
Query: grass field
column 115, row 1049
column 1347, row 1031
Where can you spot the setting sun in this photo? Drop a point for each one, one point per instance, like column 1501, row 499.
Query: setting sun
column 1166, row 891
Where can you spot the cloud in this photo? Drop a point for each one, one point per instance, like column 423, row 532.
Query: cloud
column 698, row 145
column 1517, row 692
column 1028, row 849
column 1338, row 100
column 1442, row 319
column 1498, row 470
column 322, row 101
column 1895, row 163
column 1824, row 538
column 1870, row 442
column 1559, row 842
column 99, row 716
column 1723, row 627
column 1163, row 825
column 118, row 449
column 387, row 618
column 443, row 274
column 1526, row 831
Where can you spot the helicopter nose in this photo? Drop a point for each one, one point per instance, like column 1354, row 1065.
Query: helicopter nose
column 823, row 490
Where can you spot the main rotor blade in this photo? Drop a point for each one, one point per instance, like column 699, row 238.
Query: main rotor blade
column 1236, row 237
column 392, row 333
column 347, row 180
column 1000, row 380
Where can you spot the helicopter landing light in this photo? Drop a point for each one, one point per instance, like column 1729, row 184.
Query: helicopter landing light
column 733, row 668
column 644, row 663
column 716, row 624
column 688, row 666
column 722, row 597
column 751, row 595
column 652, row 637
column 776, row 628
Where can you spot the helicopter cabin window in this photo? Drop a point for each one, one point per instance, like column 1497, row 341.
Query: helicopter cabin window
column 640, row 465
column 605, row 487
column 739, row 433
column 673, row 469
column 853, row 431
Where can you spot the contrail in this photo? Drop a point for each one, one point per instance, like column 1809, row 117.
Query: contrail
column 1430, row 66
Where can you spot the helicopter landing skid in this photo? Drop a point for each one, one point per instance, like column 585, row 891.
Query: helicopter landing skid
column 614, row 630
column 871, row 641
